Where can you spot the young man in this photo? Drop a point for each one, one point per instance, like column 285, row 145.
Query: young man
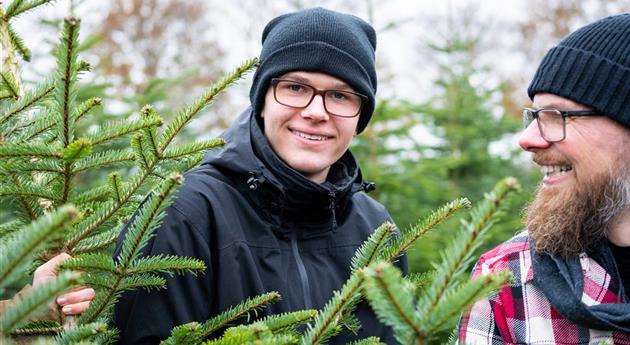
column 572, row 266
column 280, row 207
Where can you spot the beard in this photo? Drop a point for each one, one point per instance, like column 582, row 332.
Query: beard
column 568, row 221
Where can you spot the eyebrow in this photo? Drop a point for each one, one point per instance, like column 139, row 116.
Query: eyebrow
column 337, row 86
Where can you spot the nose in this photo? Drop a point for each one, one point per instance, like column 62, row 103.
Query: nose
column 531, row 139
column 316, row 110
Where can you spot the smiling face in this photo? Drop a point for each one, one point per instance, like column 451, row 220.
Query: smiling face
column 590, row 149
column 585, row 183
column 309, row 140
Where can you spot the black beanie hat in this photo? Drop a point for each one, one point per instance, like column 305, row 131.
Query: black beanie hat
column 318, row 40
column 591, row 66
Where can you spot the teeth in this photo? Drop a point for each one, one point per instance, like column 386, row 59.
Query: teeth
column 310, row 136
column 555, row 170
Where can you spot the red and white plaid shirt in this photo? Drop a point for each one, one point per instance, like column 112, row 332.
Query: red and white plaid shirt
column 521, row 314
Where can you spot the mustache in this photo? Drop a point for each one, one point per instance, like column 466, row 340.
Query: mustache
column 546, row 157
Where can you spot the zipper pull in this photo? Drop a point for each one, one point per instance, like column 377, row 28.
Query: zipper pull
column 255, row 180
column 368, row 186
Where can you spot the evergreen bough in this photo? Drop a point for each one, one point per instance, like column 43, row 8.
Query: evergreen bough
column 43, row 155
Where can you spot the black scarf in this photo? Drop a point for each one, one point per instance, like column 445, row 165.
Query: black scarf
column 562, row 282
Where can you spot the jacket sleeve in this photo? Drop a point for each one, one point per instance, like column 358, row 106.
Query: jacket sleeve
column 146, row 317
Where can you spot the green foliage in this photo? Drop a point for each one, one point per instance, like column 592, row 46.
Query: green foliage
column 48, row 155
column 416, row 316
column 35, row 301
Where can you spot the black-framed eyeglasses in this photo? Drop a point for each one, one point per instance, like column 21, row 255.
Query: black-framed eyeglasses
column 299, row 95
column 552, row 122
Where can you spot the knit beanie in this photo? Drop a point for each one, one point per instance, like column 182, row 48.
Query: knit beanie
column 591, row 66
column 318, row 40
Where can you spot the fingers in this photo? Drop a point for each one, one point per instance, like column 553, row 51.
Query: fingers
column 48, row 270
column 76, row 308
column 76, row 302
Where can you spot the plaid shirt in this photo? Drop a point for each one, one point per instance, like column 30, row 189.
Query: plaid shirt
column 521, row 314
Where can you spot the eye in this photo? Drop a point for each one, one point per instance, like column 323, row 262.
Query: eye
column 338, row 96
column 294, row 87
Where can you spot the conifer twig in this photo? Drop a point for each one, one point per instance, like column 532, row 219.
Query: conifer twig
column 409, row 236
column 186, row 115
column 482, row 217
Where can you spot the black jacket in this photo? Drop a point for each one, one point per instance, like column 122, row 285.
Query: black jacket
column 259, row 226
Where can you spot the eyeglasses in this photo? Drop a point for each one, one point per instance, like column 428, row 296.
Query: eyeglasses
column 552, row 122
column 299, row 95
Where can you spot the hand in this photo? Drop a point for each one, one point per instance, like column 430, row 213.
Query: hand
column 74, row 302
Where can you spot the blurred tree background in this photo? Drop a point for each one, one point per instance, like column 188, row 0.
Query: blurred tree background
column 445, row 127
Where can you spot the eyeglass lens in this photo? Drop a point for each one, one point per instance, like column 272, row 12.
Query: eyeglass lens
column 550, row 123
column 336, row 102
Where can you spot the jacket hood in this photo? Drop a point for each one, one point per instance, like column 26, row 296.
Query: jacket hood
column 277, row 188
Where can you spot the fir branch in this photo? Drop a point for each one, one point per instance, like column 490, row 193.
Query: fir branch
column 460, row 251
column 121, row 128
column 150, row 134
column 10, row 84
column 371, row 247
column 29, row 207
column 421, row 280
column 36, row 300
column 81, row 333
column 28, row 100
column 148, row 217
column 9, row 228
column 102, row 159
column 288, row 321
column 102, row 303
column 65, row 79
column 29, row 151
column 408, row 237
column 166, row 264
column 40, row 165
column 460, row 298
column 250, row 305
column 99, row 281
column 192, row 148
column 91, row 262
column 186, row 334
column 86, row 107
column 76, row 150
column 97, row 193
column 393, row 304
column 16, row 253
column 18, row 43
column 139, row 153
column 146, row 281
column 326, row 324
column 368, row 341
column 38, row 328
column 114, row 184
column 97, row 242
column 186, row 114
column 38, row 127
column 29, row 190
column 254, row 334
column 18, row 7
column 4, row 94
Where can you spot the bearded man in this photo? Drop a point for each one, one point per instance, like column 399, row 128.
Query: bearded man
column 571, row 266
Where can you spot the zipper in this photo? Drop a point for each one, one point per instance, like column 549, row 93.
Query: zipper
column 306, row 288
column 332, row 196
